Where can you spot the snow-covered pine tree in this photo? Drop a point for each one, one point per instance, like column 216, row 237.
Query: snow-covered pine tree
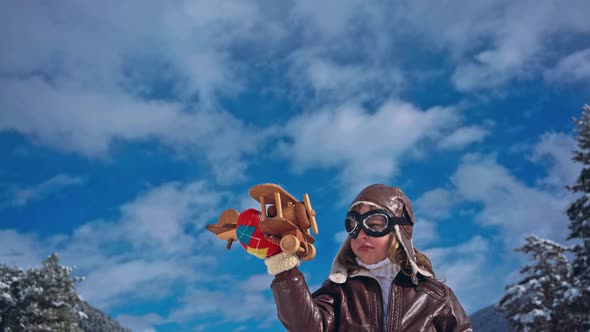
column 579, row 215
column 9, row 277
column 43, row 299
column 536, row 302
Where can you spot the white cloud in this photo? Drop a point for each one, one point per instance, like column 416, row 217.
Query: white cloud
column 89, row 122
column 436, row 203
column 191, row 37
column 23, row 250
column 256, row 283
column 232, row 305
column 489, row 42
column 510, row 204
column 147, row 250
column 144, row 323
column 574, row 67
column 424, row 233
column 89, row 94
column 517, row 33
column 142, row 255
column 462, row 137
column 327, row 20
column 555, row 151
column 333, row 81
column 463, row 268
column 132, row 280
column 364, row 145
column 23, row 196
column 159, row 218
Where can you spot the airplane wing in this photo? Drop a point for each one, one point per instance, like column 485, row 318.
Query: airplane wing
column 225, row 228
column 267, row 192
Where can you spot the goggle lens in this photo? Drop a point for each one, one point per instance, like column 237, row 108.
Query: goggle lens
column 375, row 223
column 350, row 225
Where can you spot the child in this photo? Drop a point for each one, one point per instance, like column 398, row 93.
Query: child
column 378, row 281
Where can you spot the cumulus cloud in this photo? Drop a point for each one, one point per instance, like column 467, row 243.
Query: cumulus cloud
column 88, row 94
column 142, row 254
column 333, row 81
column 143, row 323
column 436, row 203
column 555, row 151
column 256, row 283
column 364, row 145
column 22, row 196
column 88, row 123
column 113, row 285
column 489, row 43
column 424, row 233
column 23, row 250
column 508, row 203
column 458, row 265
column 574, row 67
column 462, row 137
column 517, row 33
column 252, row 304
column 161, row 75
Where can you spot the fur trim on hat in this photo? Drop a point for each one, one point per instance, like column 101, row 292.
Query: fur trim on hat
column 365, row 203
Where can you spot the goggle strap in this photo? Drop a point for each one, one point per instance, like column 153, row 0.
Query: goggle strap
column 401, row 221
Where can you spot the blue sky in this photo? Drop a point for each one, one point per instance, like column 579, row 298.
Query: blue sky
column 125, row 128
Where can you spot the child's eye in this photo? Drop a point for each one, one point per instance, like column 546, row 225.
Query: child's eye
column 376, row 223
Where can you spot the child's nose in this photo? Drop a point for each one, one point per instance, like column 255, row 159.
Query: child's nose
column 362, row 234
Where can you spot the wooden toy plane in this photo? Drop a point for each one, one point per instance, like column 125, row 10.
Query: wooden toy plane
column 225, row 229
column 287, row 218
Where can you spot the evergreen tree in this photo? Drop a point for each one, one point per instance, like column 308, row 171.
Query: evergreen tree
column 537, row 302
column 579, row 215
column 9, row 278
column 42, row 299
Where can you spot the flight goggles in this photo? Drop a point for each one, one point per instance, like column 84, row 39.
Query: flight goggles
column 376, row 223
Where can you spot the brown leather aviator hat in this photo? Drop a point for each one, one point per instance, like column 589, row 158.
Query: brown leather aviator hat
column 393, row 200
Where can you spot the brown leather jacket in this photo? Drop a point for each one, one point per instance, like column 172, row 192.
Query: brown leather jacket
column 357, row 305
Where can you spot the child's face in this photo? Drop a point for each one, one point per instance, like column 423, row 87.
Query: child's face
column 370, row 249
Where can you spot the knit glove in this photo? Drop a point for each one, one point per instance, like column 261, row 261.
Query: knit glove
column 281, row 262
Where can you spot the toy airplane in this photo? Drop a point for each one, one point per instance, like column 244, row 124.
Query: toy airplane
column 285, row 218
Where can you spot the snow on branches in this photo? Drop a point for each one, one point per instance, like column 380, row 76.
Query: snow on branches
column 536, row 303
column 41, row 299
